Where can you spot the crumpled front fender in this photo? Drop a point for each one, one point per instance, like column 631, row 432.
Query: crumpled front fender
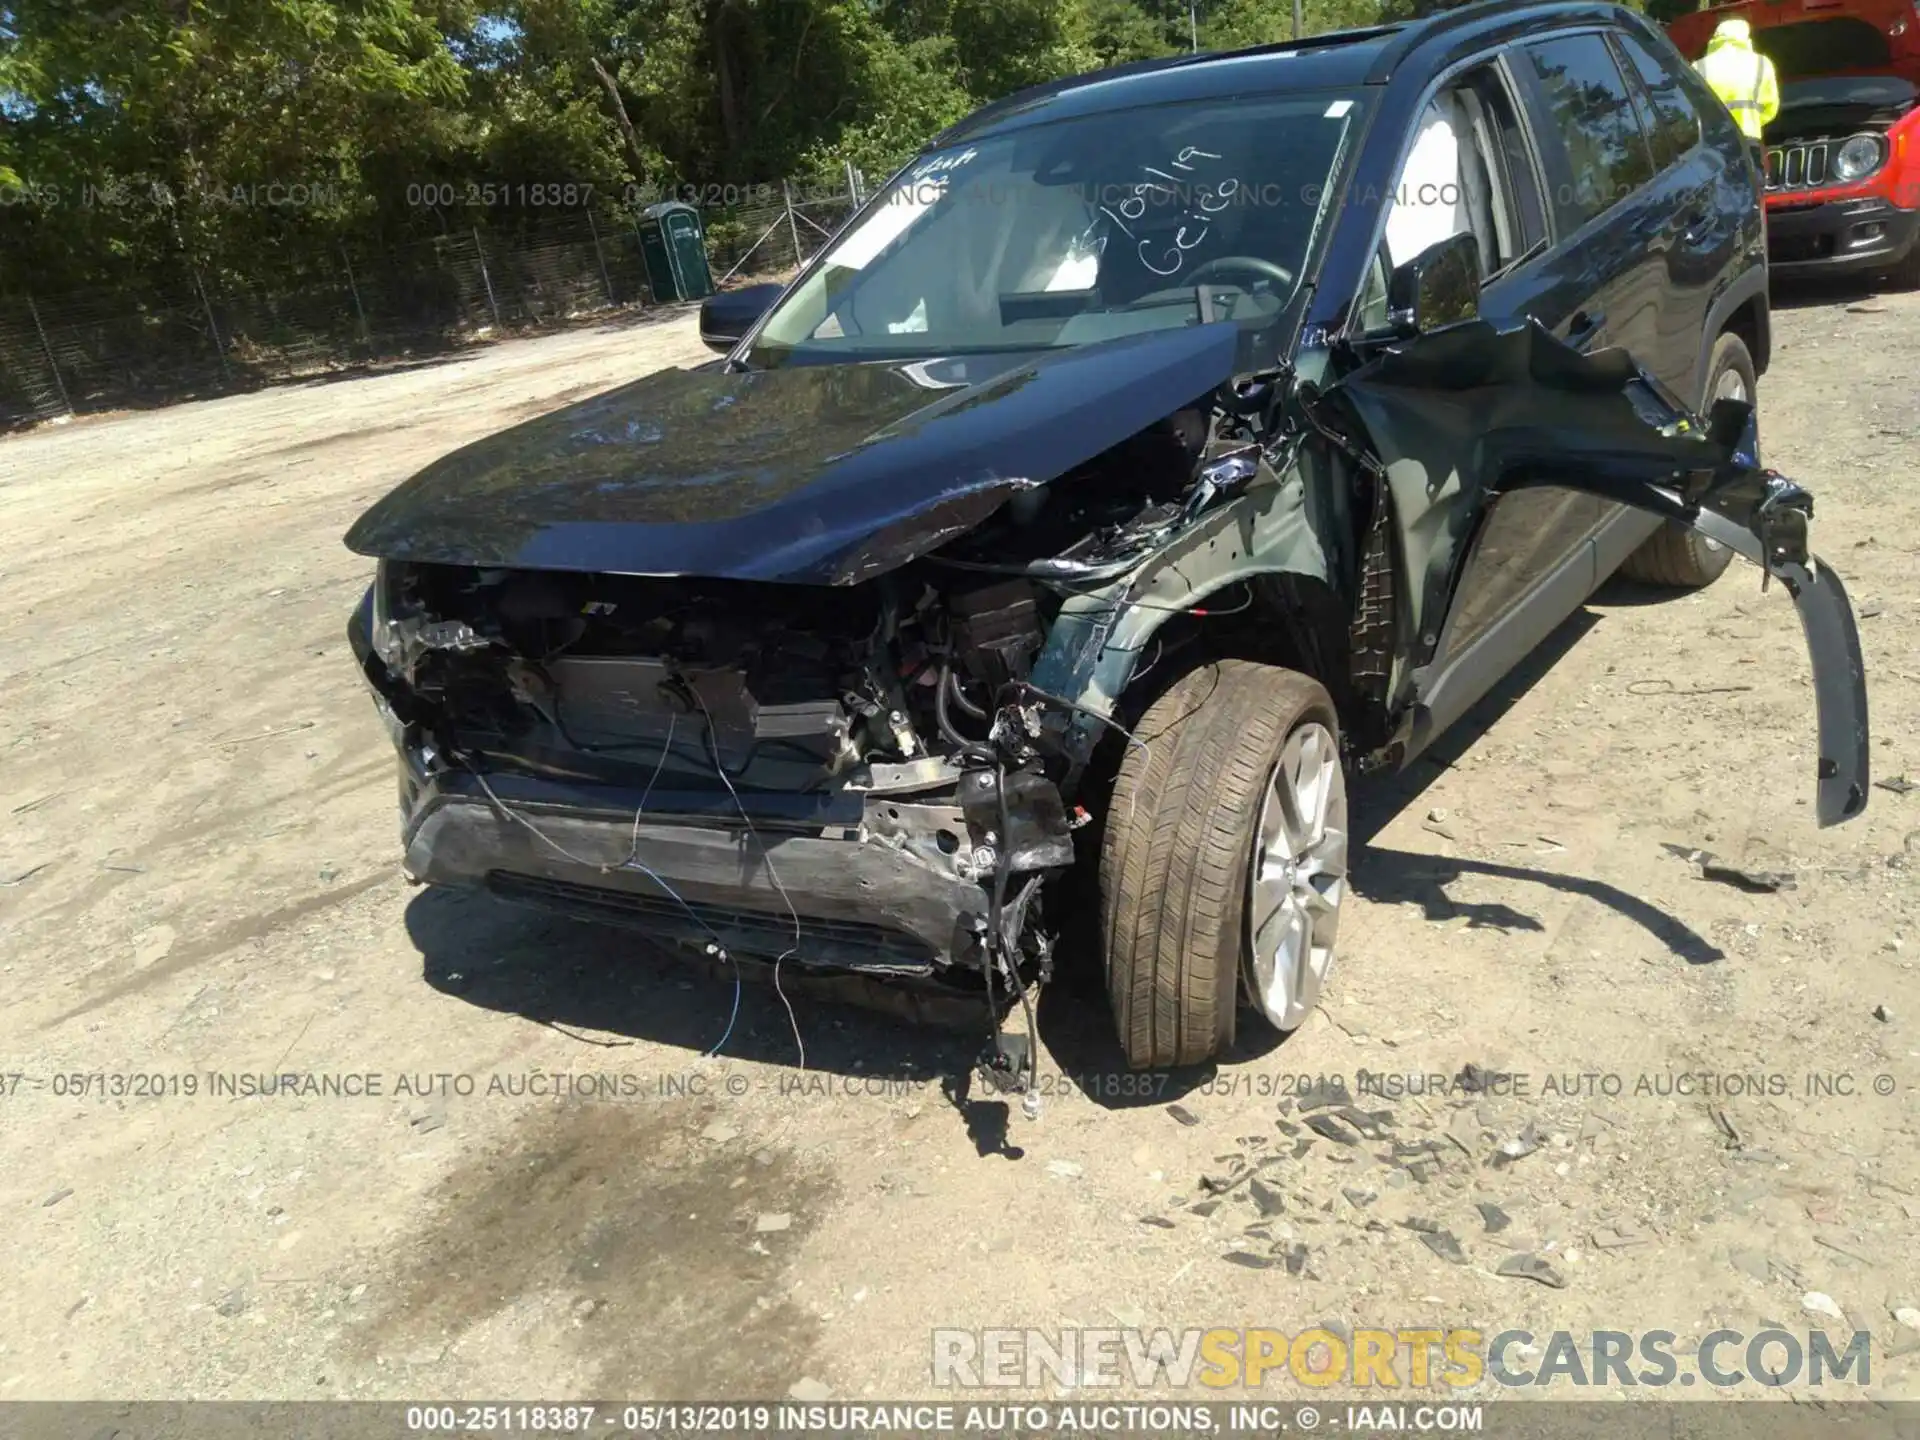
column 1515, row 407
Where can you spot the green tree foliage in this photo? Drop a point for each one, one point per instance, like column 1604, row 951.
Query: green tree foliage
column 1231, row 24
column 139, row 126
column 732, row 92
column 139, row 138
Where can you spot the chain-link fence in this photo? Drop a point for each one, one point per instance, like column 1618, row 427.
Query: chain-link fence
column 776, row 229
column 110, row 349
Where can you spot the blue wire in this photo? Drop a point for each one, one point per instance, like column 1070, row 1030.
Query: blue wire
column 720, row 1044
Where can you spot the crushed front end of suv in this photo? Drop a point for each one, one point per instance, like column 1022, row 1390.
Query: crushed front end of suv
column 1046, row 557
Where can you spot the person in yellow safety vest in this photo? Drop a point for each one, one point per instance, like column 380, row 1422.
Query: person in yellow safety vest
column 1741, row 76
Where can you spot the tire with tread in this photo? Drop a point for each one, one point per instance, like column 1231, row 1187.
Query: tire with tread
column 1175, row 862
column 1906, row 275
column 1677, row 556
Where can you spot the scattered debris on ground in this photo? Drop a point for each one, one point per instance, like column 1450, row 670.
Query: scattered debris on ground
column 1754, row 882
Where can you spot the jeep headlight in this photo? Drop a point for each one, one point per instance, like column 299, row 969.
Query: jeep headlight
column 1858, row 157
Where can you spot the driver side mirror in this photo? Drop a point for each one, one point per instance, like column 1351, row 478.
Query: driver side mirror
column 1438, row 287
column 730, row 314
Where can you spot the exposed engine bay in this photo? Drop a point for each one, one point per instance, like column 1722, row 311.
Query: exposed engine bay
column 792, row 689
column 1836, row 106
column 900, row 712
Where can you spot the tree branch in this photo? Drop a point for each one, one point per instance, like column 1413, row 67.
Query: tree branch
column 635, row 156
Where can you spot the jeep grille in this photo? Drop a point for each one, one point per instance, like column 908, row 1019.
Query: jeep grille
column 1799, row 166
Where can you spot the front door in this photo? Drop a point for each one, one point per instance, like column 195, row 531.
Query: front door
column 1509, row 409
column 1575, row 237
column 1471, row 557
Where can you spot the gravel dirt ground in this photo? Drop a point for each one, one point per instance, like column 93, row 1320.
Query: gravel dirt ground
column 199, row 890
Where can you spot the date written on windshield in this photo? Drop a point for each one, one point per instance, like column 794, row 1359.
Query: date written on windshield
column 1205, row 200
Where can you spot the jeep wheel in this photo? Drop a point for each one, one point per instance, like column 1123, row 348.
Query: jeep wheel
column 1906, row 275
column 1677, row 555
column 1225, row 861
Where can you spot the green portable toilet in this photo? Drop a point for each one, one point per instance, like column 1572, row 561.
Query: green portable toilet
column 674, row 243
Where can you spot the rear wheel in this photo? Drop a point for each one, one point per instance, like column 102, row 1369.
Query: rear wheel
column 1677, row 555
column 1224, row 865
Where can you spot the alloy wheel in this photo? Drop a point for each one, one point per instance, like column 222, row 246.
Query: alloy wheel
column 1299, row 878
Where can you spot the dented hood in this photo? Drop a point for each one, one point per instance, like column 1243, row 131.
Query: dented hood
column 821, row 474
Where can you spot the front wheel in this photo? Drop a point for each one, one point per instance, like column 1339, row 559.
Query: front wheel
column 1678, row 556
column 1906, row 275
column 1224, row 867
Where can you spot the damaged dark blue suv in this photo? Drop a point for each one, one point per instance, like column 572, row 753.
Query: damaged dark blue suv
column 1159, row 449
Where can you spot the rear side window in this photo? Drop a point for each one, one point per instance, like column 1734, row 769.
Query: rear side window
column 1591, row 113
column 1676, row 128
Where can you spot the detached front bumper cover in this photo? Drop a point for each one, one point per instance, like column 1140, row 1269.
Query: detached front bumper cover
column 1515, row 407
column 1778, row 544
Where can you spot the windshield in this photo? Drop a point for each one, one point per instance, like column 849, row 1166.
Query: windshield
column 1077, row 231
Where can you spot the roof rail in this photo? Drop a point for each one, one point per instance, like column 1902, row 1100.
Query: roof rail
column 1307, row 42
column 1033, row 94
column 1419, row 32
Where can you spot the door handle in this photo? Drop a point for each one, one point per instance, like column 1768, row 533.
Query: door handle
column 1585, row 328
column 1696, row 217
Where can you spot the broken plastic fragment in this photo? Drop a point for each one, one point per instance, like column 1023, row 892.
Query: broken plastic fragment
column 1521, row 1145
column 1531, row 1267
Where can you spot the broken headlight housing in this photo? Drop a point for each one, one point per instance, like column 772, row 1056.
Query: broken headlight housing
column 401, row 632
column 383, row 635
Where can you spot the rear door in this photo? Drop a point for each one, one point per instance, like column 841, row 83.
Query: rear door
column 1702, row 233
column 1611, row 240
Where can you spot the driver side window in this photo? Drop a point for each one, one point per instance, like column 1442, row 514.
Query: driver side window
column 1372, row 310
column 1468, row 172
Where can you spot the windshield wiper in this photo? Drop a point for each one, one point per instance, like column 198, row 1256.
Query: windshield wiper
column 1160, row 299
column 1017, row 305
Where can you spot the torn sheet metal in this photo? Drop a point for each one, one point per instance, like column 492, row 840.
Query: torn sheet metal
column 1501, row 409
column 1102, row 635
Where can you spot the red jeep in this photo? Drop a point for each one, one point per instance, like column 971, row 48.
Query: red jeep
column 1843, row 154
